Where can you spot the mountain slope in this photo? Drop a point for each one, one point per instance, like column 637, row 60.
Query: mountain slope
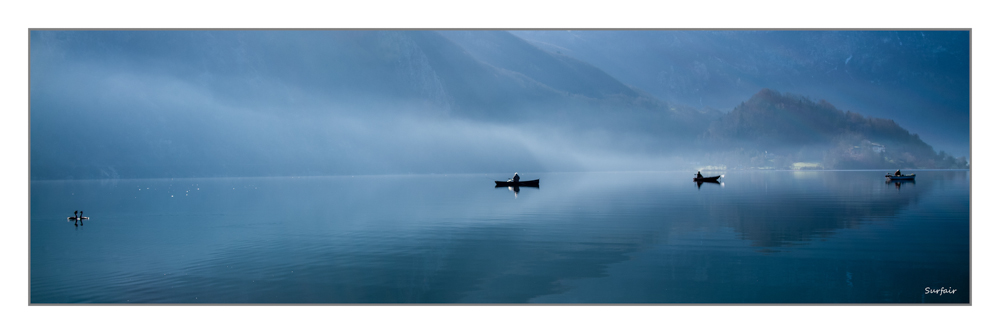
column 253, row 103
column 918, row 78
column 265, row 103
column 503, row 50
column 781, row 129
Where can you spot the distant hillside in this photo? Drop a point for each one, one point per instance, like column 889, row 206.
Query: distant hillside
column 271, row 103
column 253, row 103
column 918, row 78
column 563, row 73
column 592, row 97
column 775, row 130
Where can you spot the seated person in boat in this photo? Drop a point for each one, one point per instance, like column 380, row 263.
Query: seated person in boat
column 699, row 175
column 898, row 173
column 516, row 177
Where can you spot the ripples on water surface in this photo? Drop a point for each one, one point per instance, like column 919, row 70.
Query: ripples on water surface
column 759, row 237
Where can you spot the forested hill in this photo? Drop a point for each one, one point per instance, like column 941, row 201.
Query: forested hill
column 778, row 130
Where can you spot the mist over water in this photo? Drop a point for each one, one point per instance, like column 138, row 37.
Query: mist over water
column 97, row 118
column 283, row 103
column 358, row 166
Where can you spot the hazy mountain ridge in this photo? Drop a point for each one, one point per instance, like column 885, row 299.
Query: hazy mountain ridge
column 913, row 77
column 253, row 103
column 503, row 50
column 782, row 129
column 256, row 103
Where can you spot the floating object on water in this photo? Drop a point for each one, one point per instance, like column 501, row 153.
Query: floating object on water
column 901, row 177
column 707, row 179
column 531, row 183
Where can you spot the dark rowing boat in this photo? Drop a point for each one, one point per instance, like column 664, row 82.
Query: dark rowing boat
column 707, row 179
column 901, row 177
column 532, row 183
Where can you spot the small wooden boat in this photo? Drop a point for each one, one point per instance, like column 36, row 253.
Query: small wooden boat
column 707, row 179
column 509, row 183
column 77, row 218
column 901, row 177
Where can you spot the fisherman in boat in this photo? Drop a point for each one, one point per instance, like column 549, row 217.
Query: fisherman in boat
column 515, row 178
column 74, row 215
column 699, row 175
column 898, row 173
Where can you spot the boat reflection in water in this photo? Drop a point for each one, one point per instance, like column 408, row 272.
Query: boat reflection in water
column 899, row 183
column 708, row 179
column 516, row 189
column 721, row 184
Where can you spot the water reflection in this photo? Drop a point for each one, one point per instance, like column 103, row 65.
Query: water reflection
column 515, row 189
column 641, row 238
column 710, row 182
column 899, row 183
column 775, row 212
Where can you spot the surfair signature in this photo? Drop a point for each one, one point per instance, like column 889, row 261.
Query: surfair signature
column 940, row 291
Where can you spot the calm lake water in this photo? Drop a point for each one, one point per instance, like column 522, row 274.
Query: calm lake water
column 759, row 237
